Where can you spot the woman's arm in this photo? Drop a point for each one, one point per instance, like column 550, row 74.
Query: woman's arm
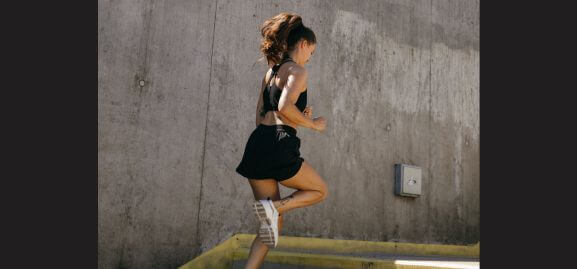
column 295, row 85
column 259, row 103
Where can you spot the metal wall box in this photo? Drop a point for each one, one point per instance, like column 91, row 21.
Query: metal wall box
column 407, row 180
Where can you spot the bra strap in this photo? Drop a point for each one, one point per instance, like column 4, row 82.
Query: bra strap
column 276, row 67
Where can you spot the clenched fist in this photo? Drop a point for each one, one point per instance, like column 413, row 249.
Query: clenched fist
column 320, row 124
column 308, row 112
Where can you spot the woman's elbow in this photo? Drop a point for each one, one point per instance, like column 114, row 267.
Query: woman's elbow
column 283, row 108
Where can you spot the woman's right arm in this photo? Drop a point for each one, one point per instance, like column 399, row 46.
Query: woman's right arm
column 295, row 85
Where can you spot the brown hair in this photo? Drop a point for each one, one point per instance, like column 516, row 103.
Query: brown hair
column 280, row 34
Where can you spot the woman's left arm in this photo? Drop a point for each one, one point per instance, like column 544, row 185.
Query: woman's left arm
column 259, row 104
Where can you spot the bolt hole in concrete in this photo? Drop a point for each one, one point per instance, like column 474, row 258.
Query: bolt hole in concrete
column 442, row 264
column 141, row 83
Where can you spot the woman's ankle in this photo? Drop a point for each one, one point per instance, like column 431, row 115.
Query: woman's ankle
column 277, row 204
column 280, row 205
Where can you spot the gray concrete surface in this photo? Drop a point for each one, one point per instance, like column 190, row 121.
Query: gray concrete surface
column 398, row 82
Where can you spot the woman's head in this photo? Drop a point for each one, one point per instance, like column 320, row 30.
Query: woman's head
column 284, row 35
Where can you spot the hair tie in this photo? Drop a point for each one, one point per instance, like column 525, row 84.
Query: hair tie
column 299, row 26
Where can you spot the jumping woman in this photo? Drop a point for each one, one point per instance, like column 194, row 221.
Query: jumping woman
column 271, row 154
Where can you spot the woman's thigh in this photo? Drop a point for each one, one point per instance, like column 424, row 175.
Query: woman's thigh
column 265, row 188
column 306, row 178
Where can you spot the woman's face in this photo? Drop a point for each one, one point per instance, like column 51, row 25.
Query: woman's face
column 306, row 51
column 310, row 51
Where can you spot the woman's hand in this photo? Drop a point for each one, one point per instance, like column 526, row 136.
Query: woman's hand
column 308, row 112
column 319, row 124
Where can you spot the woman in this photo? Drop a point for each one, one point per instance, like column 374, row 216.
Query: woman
column 271, row 155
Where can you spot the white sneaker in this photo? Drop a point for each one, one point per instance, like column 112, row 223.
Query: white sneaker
column 268, row 217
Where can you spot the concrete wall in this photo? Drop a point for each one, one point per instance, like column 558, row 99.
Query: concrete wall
column 398, row 82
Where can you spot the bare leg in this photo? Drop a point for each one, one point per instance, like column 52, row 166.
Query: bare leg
column 262, row 189
column 298, row 199
column 258, row 251
column 311, row 189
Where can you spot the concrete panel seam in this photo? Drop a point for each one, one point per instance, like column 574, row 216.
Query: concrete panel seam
column 144, row 65
column 205, row 130
column 429, row 172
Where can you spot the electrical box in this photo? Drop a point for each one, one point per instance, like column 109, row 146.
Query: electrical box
column 407, row 180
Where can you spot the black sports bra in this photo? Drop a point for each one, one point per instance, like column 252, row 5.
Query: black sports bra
column 271, row 94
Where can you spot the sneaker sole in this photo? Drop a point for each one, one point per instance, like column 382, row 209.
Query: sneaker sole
column 266, row 232
column 260, row 213
column 266, row 235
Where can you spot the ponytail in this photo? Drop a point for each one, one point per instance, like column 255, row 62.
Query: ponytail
column 280, row 34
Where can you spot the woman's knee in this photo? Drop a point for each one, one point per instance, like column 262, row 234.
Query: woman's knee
column 324, row 192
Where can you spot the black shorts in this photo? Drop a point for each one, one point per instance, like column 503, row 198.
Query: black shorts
column 272, row 151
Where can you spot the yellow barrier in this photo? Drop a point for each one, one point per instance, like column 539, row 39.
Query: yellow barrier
column 238, row 246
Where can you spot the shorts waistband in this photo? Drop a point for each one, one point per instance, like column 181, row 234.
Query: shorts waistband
column 280, row 127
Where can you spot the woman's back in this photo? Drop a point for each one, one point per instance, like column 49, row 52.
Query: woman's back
column 277, row 78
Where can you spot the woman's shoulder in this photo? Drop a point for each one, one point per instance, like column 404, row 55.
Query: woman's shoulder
column 288, row 69
column 297, row 71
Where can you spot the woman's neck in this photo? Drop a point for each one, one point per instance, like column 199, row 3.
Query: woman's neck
column 294, row 59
